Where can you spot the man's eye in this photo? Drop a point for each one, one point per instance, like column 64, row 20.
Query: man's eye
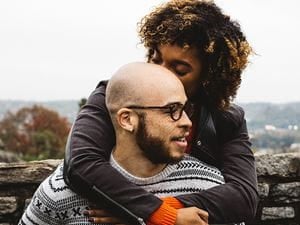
column 173, row 108
column 169, row 110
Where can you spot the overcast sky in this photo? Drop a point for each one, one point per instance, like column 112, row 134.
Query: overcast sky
column 60, row 49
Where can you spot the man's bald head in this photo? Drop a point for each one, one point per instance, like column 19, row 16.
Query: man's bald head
column 140, row 84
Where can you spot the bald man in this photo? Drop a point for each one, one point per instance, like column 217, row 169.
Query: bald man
column 148, row 109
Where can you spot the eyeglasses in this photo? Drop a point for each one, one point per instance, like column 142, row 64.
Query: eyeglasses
column 175, row 110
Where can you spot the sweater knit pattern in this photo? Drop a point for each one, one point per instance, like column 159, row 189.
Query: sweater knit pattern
column 55, row 203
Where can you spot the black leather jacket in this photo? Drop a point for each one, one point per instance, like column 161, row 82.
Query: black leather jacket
column 222, row 140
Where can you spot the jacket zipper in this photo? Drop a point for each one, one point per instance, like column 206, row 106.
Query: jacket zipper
column 138, row 219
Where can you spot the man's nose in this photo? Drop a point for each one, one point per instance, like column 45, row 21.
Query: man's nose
column 185, row 120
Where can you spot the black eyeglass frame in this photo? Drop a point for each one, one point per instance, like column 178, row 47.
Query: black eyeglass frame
column 172, row 109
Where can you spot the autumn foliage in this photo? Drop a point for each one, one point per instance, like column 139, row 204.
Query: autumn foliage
column 35, row 133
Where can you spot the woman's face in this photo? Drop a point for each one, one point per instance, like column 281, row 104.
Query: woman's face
column 184, row 62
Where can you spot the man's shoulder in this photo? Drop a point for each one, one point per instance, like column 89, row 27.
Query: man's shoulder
column 56, row 182
column 54, row 192
column 54, row 202
column 54, row 187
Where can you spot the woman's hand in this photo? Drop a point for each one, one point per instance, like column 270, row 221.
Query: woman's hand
column 102, row 216
column 192, row 215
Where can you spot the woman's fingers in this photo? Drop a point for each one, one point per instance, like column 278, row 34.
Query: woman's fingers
column 203, row 214
column 101, row 216
column 111, row 220
column 97, row 213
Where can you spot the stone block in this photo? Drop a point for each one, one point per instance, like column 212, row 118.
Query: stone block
column 29, row 173
column 274, row 213
column 286, row 192
column 8, row 205
column 263, row 190
column 279, row 165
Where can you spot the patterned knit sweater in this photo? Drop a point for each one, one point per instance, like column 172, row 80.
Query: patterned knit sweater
column 55, row 203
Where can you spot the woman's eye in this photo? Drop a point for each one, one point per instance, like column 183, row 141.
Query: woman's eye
column 155, row 60
column 181, row 73
column 181, row 70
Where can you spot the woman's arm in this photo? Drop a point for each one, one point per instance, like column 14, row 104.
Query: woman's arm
column 89, row 173
column 237, row 199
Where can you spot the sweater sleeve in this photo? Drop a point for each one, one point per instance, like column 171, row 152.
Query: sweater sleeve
column 237, row 199
column 42, row 209
column 165, row 215
column 173, row 202
column 88, row 171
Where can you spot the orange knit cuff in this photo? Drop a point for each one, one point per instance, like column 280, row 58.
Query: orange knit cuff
column 173, row 202
column 164, row 215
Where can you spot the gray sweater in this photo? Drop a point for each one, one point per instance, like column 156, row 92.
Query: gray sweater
column 55, row 203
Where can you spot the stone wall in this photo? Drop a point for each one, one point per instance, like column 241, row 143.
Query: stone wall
column 18, row 182
column 279, row 189
column 278, row 176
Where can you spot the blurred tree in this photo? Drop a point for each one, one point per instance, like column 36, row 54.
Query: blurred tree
column 82, row 102
column 35, row 133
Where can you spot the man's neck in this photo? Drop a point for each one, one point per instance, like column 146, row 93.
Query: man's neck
column 132, row 159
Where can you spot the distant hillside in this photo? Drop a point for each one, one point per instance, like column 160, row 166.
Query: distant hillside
column 66, row 108
column 279, row 115
column 257, row 114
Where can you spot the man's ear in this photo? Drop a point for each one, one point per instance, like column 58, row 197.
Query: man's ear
column 126, row 119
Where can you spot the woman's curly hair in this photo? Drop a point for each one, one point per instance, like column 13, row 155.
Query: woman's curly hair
column 222, row 47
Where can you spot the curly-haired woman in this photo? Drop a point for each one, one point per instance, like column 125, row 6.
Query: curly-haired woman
column 208, row 52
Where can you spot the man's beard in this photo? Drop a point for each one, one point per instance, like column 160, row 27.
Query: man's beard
column 153, row 148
